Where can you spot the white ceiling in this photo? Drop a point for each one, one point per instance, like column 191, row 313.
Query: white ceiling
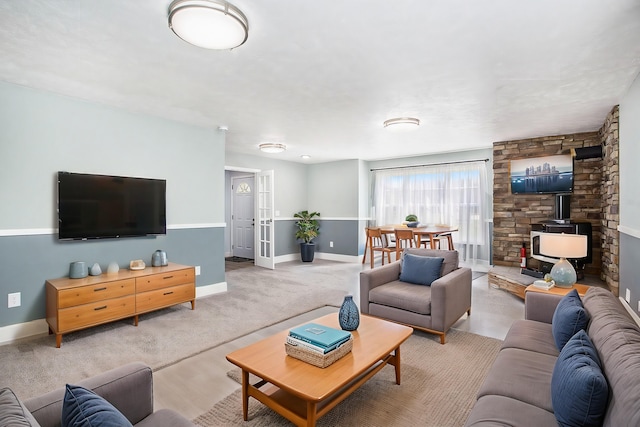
column 322, row 76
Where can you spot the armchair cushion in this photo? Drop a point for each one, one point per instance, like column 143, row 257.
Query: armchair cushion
column 403, row 295
column 421, row 270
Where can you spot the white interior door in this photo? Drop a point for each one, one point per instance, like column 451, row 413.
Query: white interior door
column 242, row 216
column 264, row 255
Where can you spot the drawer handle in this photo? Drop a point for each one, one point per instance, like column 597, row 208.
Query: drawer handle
column 100, row 308
column 99, row 289
column 168, row 277
column 168, row 293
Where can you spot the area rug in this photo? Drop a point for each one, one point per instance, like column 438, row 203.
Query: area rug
column 438, row 388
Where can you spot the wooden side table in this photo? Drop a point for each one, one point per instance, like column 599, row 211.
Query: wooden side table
column 582, row 290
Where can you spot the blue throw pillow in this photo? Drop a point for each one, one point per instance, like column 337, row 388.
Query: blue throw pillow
column 420, row 270
column 579, row 390
column 84, row 408
column 569, row 317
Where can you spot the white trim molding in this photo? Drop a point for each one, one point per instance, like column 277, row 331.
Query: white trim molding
column 629, row 231
column 633, row 314
column 215, row 288
column 188, row 226
column 46, row 231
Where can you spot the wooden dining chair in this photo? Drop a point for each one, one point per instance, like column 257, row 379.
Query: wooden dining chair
column 404, row 239
column 377, row 243
column 449, row 238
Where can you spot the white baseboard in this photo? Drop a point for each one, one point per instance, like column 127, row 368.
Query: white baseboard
column 23, row 330
column 18, row 331
column 633, row 314
column 338, row 257
column 319, row 255
column 216, row 288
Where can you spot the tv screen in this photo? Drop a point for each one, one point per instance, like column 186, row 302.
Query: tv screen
column 101, row 206
column 550, row 174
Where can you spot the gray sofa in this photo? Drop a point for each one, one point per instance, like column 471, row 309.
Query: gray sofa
column 517, row 389
column 433, row 309
column 128, row 388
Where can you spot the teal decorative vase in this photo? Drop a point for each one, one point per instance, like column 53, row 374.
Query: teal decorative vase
column 349, row 317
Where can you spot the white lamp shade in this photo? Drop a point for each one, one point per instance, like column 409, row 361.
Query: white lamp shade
column 562, row 245
column 210, row 24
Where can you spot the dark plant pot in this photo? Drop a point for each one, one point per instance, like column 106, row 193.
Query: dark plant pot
column 307, row 250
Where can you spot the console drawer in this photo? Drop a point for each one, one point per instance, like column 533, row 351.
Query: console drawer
column 163, row 280
column 97, row 312
column 93, row 293
column 153, row 300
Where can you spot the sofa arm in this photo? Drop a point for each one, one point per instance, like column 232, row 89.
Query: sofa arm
column 129, row 388
column 369, row 279
column 450, row 298
column 540, row 306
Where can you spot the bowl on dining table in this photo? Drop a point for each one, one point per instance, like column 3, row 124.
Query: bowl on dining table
column 413, row 224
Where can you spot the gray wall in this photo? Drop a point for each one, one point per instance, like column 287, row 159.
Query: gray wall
column 42, row 133
column 629, row 194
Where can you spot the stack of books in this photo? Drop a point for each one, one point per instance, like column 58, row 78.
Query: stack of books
column 318, row 344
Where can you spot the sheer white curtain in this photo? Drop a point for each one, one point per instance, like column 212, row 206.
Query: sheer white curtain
column 453, row 194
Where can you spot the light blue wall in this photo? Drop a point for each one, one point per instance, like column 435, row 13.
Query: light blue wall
column 42, row 133
column 629, row 134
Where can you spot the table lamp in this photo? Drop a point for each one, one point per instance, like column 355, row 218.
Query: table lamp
column 563, row 246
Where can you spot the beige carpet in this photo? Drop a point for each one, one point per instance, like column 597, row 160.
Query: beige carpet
column 439, row 385
column 256, row 298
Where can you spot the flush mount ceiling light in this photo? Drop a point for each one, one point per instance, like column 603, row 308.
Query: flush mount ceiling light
column 402, row 123
column 210, row 24
column 272, row 147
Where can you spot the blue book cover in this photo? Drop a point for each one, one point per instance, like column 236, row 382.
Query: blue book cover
column 320, row 335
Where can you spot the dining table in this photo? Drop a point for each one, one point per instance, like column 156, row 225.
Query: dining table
column 430, row 230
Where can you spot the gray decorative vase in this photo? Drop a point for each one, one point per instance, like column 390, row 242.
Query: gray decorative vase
column 78, row 270
column 348, row 316
column 95, row 270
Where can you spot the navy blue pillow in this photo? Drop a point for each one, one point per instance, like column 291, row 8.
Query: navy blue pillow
column 84, row 408
column 420, row 270
column 569, row 317
column 579, row 390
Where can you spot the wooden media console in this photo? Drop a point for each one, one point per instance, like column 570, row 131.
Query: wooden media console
column 74, row 304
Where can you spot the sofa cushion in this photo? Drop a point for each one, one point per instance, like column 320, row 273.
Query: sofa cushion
column 579, row 390
column 522, row 375
column 13, row 412
column 500, row 411
column 405, row 296
column 531, row 335
column 569, row 317
column 616, row 337
column 420, row 270
column 84, row 408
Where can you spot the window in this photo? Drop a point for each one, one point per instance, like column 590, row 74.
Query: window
column 453, row 194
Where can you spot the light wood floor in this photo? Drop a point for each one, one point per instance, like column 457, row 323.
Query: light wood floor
column 194, row 385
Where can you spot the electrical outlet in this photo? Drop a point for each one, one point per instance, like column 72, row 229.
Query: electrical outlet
column 627, row 295
column 330, row 244
column 13, row 300
column 197, row 270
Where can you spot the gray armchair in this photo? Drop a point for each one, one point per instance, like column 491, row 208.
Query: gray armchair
column 433, row 309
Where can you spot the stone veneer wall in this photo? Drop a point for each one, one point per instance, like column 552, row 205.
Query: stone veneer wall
column 610, row 190
column 513, row 214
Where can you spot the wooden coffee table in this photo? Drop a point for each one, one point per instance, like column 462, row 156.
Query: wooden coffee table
column 301, row 392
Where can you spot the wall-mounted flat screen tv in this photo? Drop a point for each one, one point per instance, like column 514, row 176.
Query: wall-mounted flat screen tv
column 550, row 174
column 102, row 206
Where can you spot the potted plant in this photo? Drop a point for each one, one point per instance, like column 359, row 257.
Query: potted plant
column 412, row 220
column 307, row 231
